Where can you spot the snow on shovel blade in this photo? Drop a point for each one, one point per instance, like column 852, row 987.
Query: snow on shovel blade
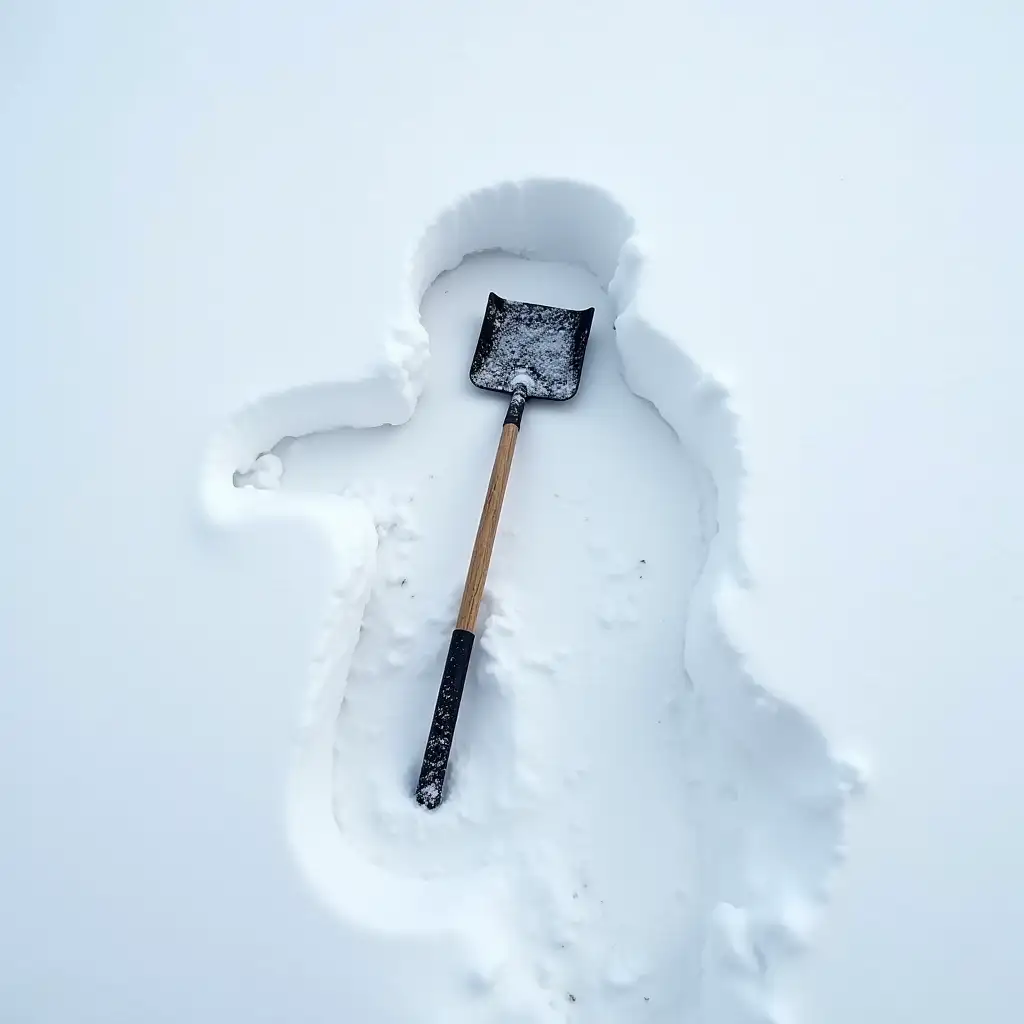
column 541, row 347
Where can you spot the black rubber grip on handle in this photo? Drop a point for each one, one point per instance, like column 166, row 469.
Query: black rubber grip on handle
column 430, row 788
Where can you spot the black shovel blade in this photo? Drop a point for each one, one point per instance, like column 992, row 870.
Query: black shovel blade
column 540, row 347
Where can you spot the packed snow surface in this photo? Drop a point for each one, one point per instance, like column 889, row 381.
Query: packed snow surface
column 633, row 828
column 230, row 228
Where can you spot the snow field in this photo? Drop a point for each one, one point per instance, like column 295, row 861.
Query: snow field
column 634, row 829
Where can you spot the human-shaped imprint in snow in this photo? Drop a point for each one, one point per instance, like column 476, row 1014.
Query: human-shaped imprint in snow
column 634, row 830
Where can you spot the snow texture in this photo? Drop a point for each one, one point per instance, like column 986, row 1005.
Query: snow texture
column 223, row 250
column 635, row 829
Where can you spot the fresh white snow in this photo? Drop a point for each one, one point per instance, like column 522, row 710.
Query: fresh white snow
column 599, row 821
column 771, row 549
column 634, row 826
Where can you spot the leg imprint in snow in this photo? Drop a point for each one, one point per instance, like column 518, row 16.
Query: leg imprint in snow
column 635, row 830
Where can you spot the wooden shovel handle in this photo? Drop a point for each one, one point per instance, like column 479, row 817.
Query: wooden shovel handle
column 430, row 788
column 480, row 560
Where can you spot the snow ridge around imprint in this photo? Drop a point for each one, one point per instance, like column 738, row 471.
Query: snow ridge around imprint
column 649, row 838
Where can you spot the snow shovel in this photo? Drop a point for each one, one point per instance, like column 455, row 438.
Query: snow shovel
column 526, row 351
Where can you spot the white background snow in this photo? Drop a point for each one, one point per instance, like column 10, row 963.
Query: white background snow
column 207, row 203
